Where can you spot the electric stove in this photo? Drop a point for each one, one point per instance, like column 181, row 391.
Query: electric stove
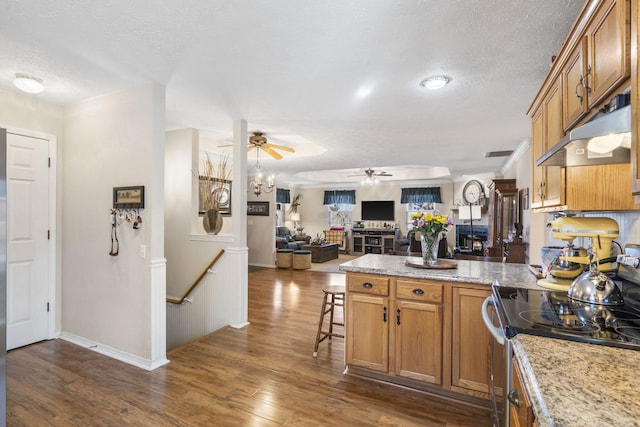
column 551, row 313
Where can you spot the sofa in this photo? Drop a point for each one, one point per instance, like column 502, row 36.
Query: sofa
column 285, row 240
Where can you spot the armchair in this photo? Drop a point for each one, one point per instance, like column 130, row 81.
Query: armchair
column 284, row 239
column 406, row 244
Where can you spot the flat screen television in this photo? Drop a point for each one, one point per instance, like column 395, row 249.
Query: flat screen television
column 378, row 210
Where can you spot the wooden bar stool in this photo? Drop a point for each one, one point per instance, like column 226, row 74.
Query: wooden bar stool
column 333, row 297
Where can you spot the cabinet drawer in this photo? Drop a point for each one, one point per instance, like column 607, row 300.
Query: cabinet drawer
column 363, row 283
column 419, row 291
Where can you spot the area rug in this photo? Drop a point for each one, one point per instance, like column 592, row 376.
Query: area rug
column 332, row 266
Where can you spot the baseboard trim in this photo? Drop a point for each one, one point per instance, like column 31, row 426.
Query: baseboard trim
column 113, row 353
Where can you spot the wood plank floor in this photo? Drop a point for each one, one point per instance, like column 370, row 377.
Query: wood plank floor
column 261, row 375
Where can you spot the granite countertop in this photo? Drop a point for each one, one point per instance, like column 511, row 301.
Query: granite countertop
column 579, row 384
column 477, row 272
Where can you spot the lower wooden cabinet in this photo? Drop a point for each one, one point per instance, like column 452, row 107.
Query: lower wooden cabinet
column 471, row 345
column 418, row 330
column 415, row 331
column 521, row 412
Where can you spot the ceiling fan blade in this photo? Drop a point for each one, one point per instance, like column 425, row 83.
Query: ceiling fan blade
column 382, row 174
column 272, row 153
column 279, row 147
column 250, row 147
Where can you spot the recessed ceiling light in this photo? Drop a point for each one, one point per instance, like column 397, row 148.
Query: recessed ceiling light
column 28, row 83
column 435, row 82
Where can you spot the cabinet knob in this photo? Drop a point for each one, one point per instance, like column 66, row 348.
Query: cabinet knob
column 367, row 285
column 418, row 291
column 514, row 398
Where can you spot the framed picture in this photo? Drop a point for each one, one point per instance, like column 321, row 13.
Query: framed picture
column 258, row 208
column 128, row 197
column 221, row 192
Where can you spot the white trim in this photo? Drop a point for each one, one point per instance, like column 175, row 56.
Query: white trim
column 52, row 150
column 111, row 352
column 157, row 300
column 226, row 238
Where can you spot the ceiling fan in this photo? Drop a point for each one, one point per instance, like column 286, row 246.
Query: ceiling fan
column 259, row 141
column 370, row 173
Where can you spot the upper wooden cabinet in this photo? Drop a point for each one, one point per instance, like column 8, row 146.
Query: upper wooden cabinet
column 547, row 185
column 608, row 41
column 598, row 63
column 595, row 62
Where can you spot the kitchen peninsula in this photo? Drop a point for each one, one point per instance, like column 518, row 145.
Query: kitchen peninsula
column 422, row 328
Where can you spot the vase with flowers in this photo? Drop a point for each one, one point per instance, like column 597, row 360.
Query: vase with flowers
column 213, row 192
column 430, row 226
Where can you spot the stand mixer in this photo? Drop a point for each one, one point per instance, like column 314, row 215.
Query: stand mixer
column 572, row 261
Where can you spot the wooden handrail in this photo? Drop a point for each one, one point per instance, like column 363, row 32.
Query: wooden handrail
column 200, row 277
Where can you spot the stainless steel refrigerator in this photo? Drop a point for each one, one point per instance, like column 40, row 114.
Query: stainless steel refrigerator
column 3, row 277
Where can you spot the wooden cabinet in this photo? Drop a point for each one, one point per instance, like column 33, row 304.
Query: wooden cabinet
column 400, row 330
column 575, row 90
column 471, row 344
column 418, row 330
column 367, row 319
column 412, row 314
column 372, row 241
column 608, row 37
column 515, row 251
column 593, row 64
column 547, row 130
column 521, row 412
column 599, row 62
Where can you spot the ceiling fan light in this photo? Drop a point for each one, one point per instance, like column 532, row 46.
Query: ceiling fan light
column 28, row 83
column 435, row 82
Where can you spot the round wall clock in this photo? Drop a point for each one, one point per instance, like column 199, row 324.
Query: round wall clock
column 472, row 191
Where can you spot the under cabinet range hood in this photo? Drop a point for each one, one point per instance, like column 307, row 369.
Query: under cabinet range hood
column 606, row 139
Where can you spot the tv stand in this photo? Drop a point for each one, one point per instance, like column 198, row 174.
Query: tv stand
column 372, row 241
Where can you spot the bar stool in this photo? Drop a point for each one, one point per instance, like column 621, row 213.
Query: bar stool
column 333, row 297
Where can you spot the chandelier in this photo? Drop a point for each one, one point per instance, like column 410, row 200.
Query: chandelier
column 259, row 184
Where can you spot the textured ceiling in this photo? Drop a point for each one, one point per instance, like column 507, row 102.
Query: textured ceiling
column 297, row 70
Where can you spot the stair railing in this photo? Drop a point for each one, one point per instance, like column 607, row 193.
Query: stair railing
column 195, row 283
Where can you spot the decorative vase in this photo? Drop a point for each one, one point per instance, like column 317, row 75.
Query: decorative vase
column 429, row 243
column 212, row 221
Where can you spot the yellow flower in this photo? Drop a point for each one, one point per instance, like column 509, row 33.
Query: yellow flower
column 428, row 217
column 416, row 215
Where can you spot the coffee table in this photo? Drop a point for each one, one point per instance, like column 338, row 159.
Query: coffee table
column 322, row 253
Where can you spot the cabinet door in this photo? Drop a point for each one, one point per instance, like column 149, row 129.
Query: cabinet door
column 471, row 345
column 537, row 150
column 575, row 86
column 552, row 188
column 608, row 39
column 418, row 346
column 367, row 337
column 521, row 414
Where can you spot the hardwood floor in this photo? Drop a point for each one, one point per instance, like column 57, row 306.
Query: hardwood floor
column 261, row 375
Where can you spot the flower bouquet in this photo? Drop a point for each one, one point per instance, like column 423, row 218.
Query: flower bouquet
column 430, row 226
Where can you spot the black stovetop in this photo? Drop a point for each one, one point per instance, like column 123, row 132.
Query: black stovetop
column 552, row 314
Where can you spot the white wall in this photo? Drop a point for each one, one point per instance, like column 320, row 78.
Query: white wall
column 261, row 231
column 113, row 141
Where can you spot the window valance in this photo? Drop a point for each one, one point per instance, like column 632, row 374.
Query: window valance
column 421, row 195
column 340, row 197
column 283, row 195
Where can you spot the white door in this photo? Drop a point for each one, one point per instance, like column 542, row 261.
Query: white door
column 27, row 240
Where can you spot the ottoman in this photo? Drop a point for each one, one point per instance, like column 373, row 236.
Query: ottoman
column 301, row 259
column 284, row 258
